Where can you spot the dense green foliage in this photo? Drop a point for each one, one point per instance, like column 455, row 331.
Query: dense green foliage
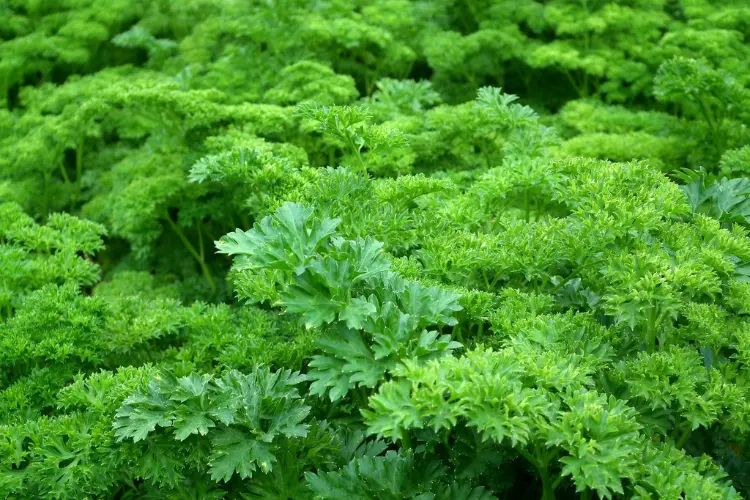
column 375, row 249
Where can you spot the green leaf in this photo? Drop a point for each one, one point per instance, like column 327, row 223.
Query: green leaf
column 284, row 240
column 348, row 363
column 234, row 452
column 357, row 311
column 140, row 414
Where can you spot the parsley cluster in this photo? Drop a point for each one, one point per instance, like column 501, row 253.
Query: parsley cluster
column 375, row 249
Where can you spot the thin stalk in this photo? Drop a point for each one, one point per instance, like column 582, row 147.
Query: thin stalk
column 486, row 279
column 447, row 439
column 651, row 331
column 332, row 409
column 707, row 114
column 405, row 441
column 79, row 160
column 79, row 169
column 585, row 84
column 526, row 206
column 200, row 241
column 480, row 329
column 548, row 487
column 572, row 82
column 457, row 333
column 64, row 173
column 360, row 393
column 358, row 154
column 548, row 490
column 684, row 437
column 529, row 457
column 541, row 464
column 407, row 70
column 557, row 482
column 210, row 235
column 45, row 196
column 189, row 246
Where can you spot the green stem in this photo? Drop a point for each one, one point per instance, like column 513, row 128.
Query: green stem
column 64, row 173
column 548, row 491
column 486, row 279
column 457, row 333
column 407, row 70
column 405, row 441
column 651, row 331
column 585, row 84
column 529, row 457
column 360, row 394
column 684, row 437
column 200, row 241
column 189, row 246
column 526, row 206
column 541, row 463
column 209, row 234
column 557, row 482
column 480, row 329
column 332, row 409
column 358, row 154
column 45, row 196
column 79, row 169
column 706, row 114
column 572, row 82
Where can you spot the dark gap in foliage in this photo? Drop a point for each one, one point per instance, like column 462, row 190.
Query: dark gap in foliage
column 675, row 9
column 152, row 351
column 69, row 164
column 532, row 33
column 127, row 490
column 60, row 73
column 727, row 452
column 33, row 79
column 13, row 96
column 551, row 88
column 463, row 16
column 421, row 70
column 111, row 257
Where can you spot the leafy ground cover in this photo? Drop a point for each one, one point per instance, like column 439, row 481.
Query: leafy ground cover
column 375, row 249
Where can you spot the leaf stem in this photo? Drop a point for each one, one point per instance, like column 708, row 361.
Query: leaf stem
column 200, row 241
column 79, row 169
column 526, row 205
column 684, row 437
column 64, row 173
column 548, row 490
column 45, row 198
column 189, row 246
column 651, row 331
column 405, row 440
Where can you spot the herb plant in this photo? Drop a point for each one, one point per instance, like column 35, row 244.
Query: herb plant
column 375, row 249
